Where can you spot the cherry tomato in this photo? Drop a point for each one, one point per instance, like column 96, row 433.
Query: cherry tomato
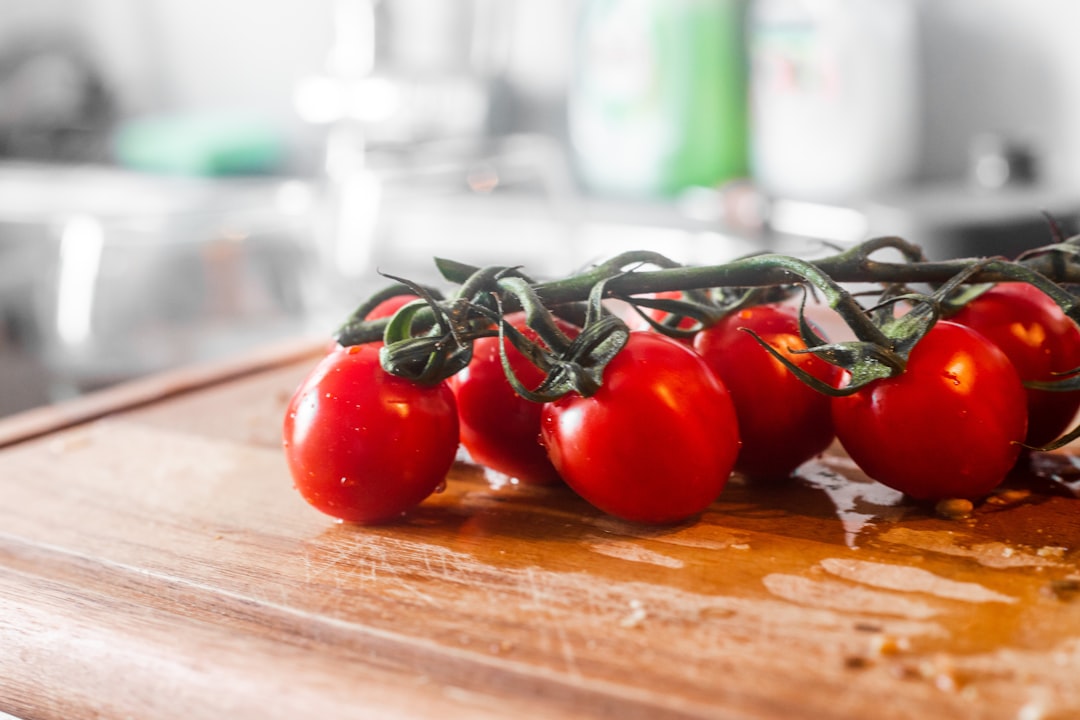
column 499, row 428
column 782, row 421
column 656, row 443
column 363, row 445
column 1040, row 341
column 949, row 426
column 389, row 306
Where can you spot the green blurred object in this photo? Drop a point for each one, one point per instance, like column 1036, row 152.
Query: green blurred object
column 659, row 98
column 203, row 144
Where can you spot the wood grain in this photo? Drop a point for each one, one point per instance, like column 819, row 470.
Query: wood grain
column 156, row 562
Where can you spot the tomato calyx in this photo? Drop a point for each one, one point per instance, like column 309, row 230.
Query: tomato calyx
column 885, row 337
column 570, row 365
column 430, row 339
column 882, row 340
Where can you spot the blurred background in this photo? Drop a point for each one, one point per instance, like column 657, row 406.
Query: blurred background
column 180, row 181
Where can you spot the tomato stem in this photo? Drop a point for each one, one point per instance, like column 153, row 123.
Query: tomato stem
column 430, row 340
column 1046, row 266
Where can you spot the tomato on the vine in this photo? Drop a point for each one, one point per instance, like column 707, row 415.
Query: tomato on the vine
column 656, row 443
column 782, row 421
column 1040, row 341
column 499, row 428
column 948, row 426
column 363, row 445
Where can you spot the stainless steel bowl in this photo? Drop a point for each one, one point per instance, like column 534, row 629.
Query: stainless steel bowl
column 106, row 275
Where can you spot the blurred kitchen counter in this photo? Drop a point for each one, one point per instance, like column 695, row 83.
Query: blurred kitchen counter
column 156, row 562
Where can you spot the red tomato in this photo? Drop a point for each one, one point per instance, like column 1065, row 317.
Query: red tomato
column 656, row 443
column 363, row 445
column 1040, row 341
column 389, row 306
column 947, row 427
column 782, row 421
column 499, row 428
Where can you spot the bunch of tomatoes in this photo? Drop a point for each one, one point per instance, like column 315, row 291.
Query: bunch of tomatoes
column 674, row 418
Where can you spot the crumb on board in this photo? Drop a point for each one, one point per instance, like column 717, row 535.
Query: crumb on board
column 886, row 645
column 955, row 508
column 1008, row 497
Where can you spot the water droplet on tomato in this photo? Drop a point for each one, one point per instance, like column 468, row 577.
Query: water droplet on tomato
column 440, row 488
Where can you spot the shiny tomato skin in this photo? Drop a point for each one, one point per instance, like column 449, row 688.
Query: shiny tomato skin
column 499, row 428
column 949, row 426
column 782, row 421
column 365, row 446
column 1040, row 341
column 656, row 443
column 389, row 306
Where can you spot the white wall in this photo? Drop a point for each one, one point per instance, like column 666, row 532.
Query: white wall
column 1008, row 66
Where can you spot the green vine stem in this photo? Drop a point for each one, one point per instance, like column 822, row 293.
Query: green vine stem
column 1049, row 268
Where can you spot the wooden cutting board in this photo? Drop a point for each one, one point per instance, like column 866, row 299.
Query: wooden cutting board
column 155, row 562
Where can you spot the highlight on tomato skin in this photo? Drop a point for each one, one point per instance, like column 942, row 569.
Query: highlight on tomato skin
column 782, row 421
column 365, row 446
column 1040, row 341
column 656, row 443
column 949, row 426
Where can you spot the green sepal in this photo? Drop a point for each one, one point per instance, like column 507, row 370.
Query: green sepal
column 575, row 365
column 580, row 367
column 429, row 358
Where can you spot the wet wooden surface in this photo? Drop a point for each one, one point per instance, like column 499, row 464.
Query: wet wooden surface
column 156, row 562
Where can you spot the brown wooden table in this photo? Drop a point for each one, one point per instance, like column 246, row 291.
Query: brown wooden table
column 155, row 562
